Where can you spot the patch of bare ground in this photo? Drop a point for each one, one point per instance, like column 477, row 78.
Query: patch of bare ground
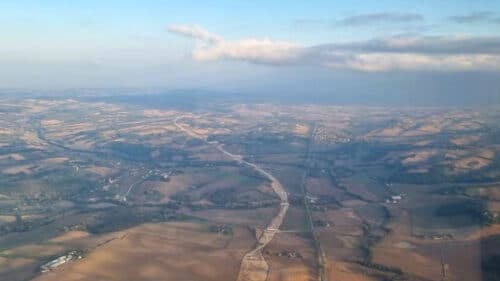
column 168, row 251
column 427, row 259
column 100, row 170
column 345, row 271
column 254, row 111
column 251, row 217
column 465, row 126
column 483, row 232
column 54, row 160
column 416, row 157
column 490, row 193
column 387, row 132
column 360, row 189
column 25, row 169
column 419, row 261
column 16, row 268
column 423, row 143
column 342, row 239
column 340, row 247
column 12, row 156
column 7, row 218
column 425, row 129
column 465, row 140
column 345, row 221
column 70, row 236
column 158, row 113
column 461, row 161
column 34, row 250
column 471, row 163
column 82, row 145
column 295, row 220
column 291, row 257
column 50, row 122
column 180, row 182
column 4, row 131
column 318, row 185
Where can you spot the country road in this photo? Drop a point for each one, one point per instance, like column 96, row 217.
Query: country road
column 143, row 178
column 253, row 266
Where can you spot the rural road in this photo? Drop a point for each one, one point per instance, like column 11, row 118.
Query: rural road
column 253, row 266
column 143, row 178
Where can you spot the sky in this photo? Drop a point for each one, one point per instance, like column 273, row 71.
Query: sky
column 362, row 48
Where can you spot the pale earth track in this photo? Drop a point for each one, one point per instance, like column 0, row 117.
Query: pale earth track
column 253, row 265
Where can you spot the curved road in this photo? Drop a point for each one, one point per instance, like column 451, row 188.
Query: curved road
column 253, row 266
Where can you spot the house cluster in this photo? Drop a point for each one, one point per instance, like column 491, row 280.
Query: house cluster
column 325, row 135
column 395, row 199
column 53, row 264
column 312, row 199
column 291, row 254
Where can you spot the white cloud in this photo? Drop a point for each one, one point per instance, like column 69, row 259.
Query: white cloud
column 254, row 50
column 195, row 32
column 374, row 62
column 394, row 53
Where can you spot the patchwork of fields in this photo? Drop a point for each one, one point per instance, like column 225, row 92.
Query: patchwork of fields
column 161, row 193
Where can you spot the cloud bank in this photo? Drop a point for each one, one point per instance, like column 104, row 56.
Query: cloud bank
column 195, row 32
column 476, row 17
column 377, row 18
column 436, row 53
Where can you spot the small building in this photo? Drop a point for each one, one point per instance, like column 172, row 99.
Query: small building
column 55, row 263
column 312, row 199
column 396, row 197
column 60, row 261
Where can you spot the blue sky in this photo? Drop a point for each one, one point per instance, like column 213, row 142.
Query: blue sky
column 57, row 44
column 118, row 20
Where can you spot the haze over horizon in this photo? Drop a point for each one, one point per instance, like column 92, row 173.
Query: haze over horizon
column 365, row 50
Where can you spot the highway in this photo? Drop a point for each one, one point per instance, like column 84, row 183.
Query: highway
column 253, row 265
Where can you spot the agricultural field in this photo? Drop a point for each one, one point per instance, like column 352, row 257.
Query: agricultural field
column 136, row 191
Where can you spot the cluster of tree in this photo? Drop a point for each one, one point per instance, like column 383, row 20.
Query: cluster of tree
column 223, row 229
column 20, row 225
column 382, row 267
column 122, row 217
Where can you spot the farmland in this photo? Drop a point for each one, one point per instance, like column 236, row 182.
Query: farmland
column 144, row 192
